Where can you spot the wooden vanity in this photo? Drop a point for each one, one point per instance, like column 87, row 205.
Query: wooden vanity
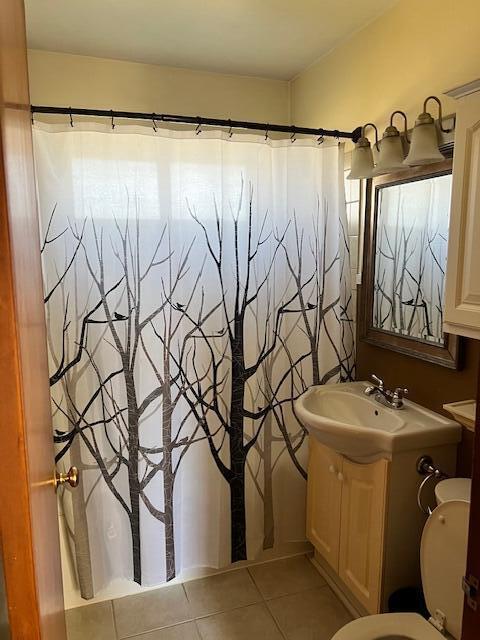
column 364, row 522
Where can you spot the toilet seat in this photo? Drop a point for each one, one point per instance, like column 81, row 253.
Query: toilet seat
column 408, row 626
column 442, row 557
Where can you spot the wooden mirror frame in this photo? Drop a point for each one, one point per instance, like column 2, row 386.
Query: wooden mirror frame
column 447, row 355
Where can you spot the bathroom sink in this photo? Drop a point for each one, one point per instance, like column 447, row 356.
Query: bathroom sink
column 344, row 419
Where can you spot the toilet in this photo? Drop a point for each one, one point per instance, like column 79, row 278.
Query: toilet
column 443, row 554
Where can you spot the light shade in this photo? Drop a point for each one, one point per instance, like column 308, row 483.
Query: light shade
column 392, row 152
column 362, row 160
column 424, row 145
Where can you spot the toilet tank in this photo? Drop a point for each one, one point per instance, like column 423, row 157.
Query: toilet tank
column 453, row 489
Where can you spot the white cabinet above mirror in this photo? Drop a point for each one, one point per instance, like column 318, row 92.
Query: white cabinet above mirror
column 462, row 292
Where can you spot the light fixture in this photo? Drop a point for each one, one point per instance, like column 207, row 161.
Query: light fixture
column 393, row 148
column 363, row 158
column 424, row 146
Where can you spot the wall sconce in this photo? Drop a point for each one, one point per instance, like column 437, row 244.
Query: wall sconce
column 424, row 146
column 393, row 148
column 363, row 158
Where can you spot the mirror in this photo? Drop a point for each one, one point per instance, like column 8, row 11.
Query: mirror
column 405, row 254
column 411, row 256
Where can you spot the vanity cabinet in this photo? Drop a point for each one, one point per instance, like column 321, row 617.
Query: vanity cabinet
column 324, row 496
column 361, row 530
column 364, row 522
column 345, row 519
column 462, row 291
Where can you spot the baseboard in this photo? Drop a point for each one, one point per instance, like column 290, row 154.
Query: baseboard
column 348, row 600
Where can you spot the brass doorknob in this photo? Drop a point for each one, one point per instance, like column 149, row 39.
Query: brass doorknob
column 72, row 477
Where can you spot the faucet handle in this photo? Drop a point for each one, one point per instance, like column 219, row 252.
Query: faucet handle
column 400, row 392
column 378, row 381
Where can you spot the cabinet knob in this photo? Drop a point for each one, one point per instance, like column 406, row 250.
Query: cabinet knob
column 340, row 476
column 332, row 469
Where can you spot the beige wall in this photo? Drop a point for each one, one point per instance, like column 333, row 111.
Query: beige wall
column 69, row 80
column 415, row 49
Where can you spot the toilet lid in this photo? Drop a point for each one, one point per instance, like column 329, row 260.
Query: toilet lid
column 453, row 489
column 443, row 557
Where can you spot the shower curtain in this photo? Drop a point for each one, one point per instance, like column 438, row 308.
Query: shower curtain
column 196, row 283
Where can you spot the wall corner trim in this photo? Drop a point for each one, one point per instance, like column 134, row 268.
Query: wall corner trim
column 464, row 89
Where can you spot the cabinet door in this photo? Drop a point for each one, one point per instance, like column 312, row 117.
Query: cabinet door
column 462, row 291
column 324, row 495
column 362, row 529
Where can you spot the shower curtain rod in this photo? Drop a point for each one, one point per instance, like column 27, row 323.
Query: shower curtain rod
column 199, row 121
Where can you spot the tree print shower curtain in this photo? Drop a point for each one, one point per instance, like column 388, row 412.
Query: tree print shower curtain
column 195, row 285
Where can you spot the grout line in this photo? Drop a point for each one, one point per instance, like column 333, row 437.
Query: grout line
column 185, row 592
column 284, row 636
column 295, row 593
column 219, row 613
column 148, row 631
column 114, row 620
column 252, row 578
column 198, row 630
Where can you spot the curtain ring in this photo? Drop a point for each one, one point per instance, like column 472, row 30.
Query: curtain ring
column 153, row 123
column 266, row 133
column 112, row 120
column 321, row 140
column 71, row 119
column 230, row 132
column 293, row 137
column 198, row 129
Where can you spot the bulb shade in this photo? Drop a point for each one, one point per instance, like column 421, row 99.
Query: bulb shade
column 362, row 161
column 424, row 146
column 391, row 156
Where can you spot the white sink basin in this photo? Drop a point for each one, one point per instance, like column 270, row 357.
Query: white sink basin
column 344, row 419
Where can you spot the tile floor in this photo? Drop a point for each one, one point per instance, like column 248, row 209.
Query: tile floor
column 282, row 600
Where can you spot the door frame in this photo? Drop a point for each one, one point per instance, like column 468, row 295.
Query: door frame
column 28, row 514
column 471, row 617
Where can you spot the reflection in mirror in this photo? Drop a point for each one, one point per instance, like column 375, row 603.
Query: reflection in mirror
column 410, row 257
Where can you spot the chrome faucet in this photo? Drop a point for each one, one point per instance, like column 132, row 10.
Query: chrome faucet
column 392, row 399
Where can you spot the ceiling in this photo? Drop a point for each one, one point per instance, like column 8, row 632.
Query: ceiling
column 269, row 38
